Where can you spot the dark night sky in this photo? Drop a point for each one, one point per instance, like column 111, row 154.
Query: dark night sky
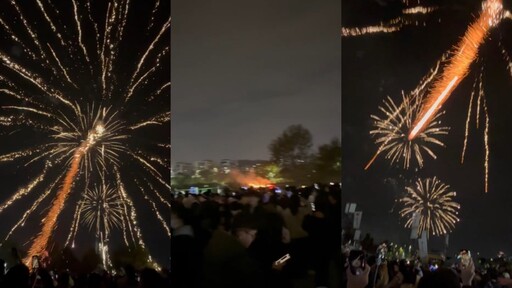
column 379, row 65
column 242, row 71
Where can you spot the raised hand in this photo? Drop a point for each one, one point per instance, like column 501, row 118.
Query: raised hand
column 358, row 281
column 467, row 273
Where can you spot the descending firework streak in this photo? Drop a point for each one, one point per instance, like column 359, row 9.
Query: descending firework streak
column 457, row 68
column 432, row 201
column 465, row 53
column 92, row 86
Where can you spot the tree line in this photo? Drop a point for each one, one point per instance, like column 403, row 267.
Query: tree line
column 292, row 160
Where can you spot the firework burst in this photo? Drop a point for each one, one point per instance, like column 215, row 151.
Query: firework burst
column 433, row 202
column 391, row 129
column 102, row 209
column 94, row 105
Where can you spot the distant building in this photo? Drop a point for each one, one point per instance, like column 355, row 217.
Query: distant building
column 203, row 165
column 182, row 168
column 227, row 165
column 224, row 166
column 248, row 165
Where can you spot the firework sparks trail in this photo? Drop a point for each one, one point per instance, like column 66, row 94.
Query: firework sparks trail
column 123, row 19
column 391, row 26
column 358, row 31
column 466, row 133
column 156, row 120
column 76, row 218
column 43, row 196
column 34, row 206
column 95, row 25
column 62, row 67
column 16, row 39
column 166, row 85
column 419, row 10
column 144, row 78
column 74, row 225
column 157, row 3
column 465, row 53
column 166, row 146
column 155, row 210
column 40, row 243
column 52, row 25
column 162, row 199
column 123, row 226
column 164, row 29
column 24, row 191
column 481, row 103
column 133, row 215
column 486, row 144
column 32, row 34
column 507, row 59
column 433, row 201
column 34, row 78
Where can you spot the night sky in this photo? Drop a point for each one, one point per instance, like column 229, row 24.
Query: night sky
column 378, row 65
column 242, row 71
column 17, row 174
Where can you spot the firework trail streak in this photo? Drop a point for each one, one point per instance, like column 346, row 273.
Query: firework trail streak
column 457, row 68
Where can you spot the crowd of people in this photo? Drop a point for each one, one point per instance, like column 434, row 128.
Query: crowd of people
column 257, row 237
column 362, row 271
column 20, row 276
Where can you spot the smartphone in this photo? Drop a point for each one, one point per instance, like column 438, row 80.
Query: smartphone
column 282, row 259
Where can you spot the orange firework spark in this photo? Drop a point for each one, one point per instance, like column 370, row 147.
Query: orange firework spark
column 41, row 241
column 466, row 51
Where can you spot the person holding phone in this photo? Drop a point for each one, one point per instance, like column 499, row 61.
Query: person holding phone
column 357, row 270
column 466, row 268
